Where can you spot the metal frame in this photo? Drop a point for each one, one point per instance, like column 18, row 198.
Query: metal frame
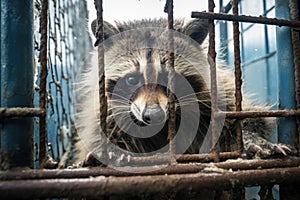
column 139, row 185
column 17, row 54
column 66, row 183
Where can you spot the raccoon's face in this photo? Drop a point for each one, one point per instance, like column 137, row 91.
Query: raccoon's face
column 147, row 93
column 137, row 74
column 142, row 91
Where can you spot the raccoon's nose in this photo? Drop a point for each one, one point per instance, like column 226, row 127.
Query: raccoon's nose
column 154, row 115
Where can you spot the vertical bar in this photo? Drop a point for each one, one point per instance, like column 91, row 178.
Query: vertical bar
column 294, row 6
column 171, row 79
column 213, row 76
column 286, row 87
column 101, row 73
column 16, row 74
column 43, row 81
column 238, row 76
column 238, row 89
column 287, row 126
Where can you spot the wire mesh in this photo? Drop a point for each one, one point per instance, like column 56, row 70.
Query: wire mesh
column 68, row 48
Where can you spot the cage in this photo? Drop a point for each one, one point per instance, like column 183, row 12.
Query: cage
column 42, row 49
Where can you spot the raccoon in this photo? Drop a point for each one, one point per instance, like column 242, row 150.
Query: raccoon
column 136, row 72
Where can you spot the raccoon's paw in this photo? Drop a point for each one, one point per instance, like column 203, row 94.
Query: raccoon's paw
column 118, row 160
column 91, row 161
column 258, row 147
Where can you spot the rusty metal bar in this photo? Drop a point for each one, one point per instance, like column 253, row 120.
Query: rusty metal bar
column 294, row 5
column 101, row 73
column 243, row 18
column 43, row 81
column 254, row 114
column 152, row 160
column 183, row 158
column 213, row 78
column 149, row 170
column 21, row 112
column 98, row 186
column 238, row 76
column 171, row 79
column 206, row 157
column 211, row 48
column 101, row 67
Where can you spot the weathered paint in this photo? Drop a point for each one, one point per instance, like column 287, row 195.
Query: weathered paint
column 286, row 79
column 16, row 74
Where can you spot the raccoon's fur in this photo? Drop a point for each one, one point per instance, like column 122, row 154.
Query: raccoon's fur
column 136, row 78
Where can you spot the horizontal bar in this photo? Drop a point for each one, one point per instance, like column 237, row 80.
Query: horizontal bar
column 148, row 170
column 254, row 114
column 37, row 112
column 205, row 157
column 244, row 18
column 99, row 186
column 180, row 158
column 21, row 112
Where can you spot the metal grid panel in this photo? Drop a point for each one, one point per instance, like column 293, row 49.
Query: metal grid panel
column 68, row 182
column 60, row 53
column 66, row 53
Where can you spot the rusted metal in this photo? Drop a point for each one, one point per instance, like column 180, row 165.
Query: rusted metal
column 211, row 47
column 101, row 74
column 234, row 165
column 206, row 157
column 160, row 159
column 238, row 76
column 101, row 67
column 43, row 81
column 98, row 186
column 171, row 78
column 213, row 78
column 254, row 114
column 21, row 112
column 296, row 50
column 243, row 18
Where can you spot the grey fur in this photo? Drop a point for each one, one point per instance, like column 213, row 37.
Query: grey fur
column 120, row 60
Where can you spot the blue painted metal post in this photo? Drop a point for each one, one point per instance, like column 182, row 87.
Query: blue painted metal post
column 16, row 74
column 286, row 78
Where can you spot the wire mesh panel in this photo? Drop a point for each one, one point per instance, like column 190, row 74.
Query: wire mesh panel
column 265, row 52
column 68, row 49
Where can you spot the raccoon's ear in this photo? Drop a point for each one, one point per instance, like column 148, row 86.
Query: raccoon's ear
column 197, row 29
column 109, row 29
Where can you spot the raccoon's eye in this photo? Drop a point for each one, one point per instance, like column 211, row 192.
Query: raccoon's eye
column 132, row 80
